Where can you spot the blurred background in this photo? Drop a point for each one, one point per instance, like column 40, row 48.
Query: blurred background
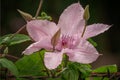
column 101, row 11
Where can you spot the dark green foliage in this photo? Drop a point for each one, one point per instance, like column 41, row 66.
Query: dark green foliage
column 76, row 71
column 12, row 39
column 9, row 65
column 105, row 69
column 31, row 65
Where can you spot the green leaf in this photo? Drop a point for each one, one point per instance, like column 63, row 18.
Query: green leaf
column 25, row 15
column 6, row 50
column 31, row 65
column 70, row 74
column 21, row 79
column 104, row 69
column 92, row 42
column 75, row 71
column 12, row 39
column 9, row 65
column 54, row 79
column 83, row 69
column 86, row 13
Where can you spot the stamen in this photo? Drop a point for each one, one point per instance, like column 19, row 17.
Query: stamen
column 64, row 41
column 68, row 41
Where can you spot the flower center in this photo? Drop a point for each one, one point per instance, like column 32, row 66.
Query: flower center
column 64, row 43
column 68, row 41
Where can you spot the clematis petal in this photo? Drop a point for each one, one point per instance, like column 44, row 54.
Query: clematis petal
column 84, row 53
column 41, row 28
column 52, row 59
column 95, row 29
column 83, row 57
column 43, row 43
column 70, row 18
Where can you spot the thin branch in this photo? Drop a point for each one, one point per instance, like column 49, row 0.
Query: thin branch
column 11, row 57
column 117, row 74
column 38, row 10
column 20, row 29
column 26, row 76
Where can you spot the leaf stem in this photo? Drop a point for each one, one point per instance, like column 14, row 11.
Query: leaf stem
column 38, row 10
column 53, row 75
column 47, row 71
column 84, row 29
column 65, row 61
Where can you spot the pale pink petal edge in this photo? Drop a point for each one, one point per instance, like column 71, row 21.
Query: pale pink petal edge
column 45, row 43
column 95, row 29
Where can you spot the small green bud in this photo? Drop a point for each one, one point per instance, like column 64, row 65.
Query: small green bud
column 86, row 13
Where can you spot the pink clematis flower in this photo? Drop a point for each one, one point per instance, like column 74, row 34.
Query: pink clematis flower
column 70, row 42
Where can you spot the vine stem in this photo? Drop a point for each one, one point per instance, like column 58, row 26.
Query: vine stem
column 38, row 10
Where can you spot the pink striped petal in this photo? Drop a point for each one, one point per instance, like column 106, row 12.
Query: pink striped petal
column 95, row 29
column 83, row 57
column 41, row 28
column 44, row 43
column 52, row 59
column 70, row 18
column 84, row 53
